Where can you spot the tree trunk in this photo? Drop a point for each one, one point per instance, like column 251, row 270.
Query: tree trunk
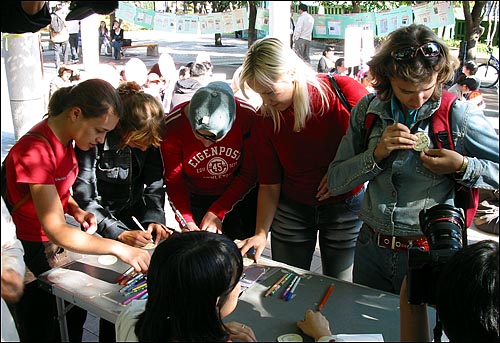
column 252, row 17
column 473, row 28
column 218, row 39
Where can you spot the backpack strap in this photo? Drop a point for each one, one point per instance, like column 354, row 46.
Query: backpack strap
column 339, row 93
column 21, row 202
column 369, row 121
column 440, row 123
column 465, row 198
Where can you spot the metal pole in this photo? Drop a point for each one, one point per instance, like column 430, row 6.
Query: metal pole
column 279, row 20
column 23, row 71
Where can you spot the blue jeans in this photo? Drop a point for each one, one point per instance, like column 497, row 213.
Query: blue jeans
column 378, row 267
column 295, row 229
column 117, row 47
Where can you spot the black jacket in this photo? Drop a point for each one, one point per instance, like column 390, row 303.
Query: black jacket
column 115, row 184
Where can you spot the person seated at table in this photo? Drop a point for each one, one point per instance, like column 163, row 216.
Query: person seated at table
column 466, row 299
column 40, row 170
column 210, row 172
column 193, row 284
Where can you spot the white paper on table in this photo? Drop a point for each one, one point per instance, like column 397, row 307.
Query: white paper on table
column 362, row 337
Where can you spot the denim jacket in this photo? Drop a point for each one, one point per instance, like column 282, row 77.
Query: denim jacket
column 400, row 186
column 120, row 182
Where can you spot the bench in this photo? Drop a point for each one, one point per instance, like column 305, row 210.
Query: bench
column 152, row 48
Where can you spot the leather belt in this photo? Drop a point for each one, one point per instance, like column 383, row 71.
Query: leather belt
column 397, row 243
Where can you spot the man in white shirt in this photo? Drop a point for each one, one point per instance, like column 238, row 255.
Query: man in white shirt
column 303, row 33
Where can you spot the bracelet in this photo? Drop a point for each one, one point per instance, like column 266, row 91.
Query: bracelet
column 463, row 168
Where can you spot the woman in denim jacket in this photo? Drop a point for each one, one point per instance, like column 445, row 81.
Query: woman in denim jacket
column 409, row 72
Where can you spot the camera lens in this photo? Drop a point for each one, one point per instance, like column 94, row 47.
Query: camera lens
column 442, row 224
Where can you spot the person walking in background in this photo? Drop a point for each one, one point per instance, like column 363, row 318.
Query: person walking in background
column 74, row 35
column 302, row 35
column 210, row 171
column 408, row 73
column 59, row 36
column 325, row 63
column 117, row 40
column 40, row 170
column 300, row 126
column 104, row 39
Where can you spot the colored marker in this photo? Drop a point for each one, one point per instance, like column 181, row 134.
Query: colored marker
column 279, row 285
column 270, row 289
column 135, row 296
column 127, row 272
column 325, row 298
column 292, row 292
column 287, row 290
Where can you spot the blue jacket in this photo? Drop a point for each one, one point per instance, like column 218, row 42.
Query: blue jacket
column 401, row 186
column 115, row 184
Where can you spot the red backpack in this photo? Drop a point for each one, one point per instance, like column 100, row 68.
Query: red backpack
column 465, row 198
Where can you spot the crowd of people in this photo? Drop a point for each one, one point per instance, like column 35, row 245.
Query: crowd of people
column 298, row 167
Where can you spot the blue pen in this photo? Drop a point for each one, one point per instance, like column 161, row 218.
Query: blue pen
column 292, row 291
column 287, row 290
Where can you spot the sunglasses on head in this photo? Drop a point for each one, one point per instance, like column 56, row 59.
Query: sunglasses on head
column 430, row 49
column 212, row 137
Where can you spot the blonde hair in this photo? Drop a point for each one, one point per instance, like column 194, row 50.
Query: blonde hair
column 268, row 60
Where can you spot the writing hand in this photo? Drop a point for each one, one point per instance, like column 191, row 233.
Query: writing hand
column 136, row 238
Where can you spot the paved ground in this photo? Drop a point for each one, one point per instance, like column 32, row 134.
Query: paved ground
column 226, row 59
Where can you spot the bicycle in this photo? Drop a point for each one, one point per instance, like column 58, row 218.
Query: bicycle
column 487, row 73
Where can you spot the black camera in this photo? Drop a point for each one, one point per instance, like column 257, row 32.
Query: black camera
column 444, row 227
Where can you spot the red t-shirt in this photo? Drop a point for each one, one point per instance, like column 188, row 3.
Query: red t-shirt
column 299, row 160
column 226, row 168
column 33, row 160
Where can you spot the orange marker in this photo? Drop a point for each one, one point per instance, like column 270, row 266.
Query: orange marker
column 325, row 298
